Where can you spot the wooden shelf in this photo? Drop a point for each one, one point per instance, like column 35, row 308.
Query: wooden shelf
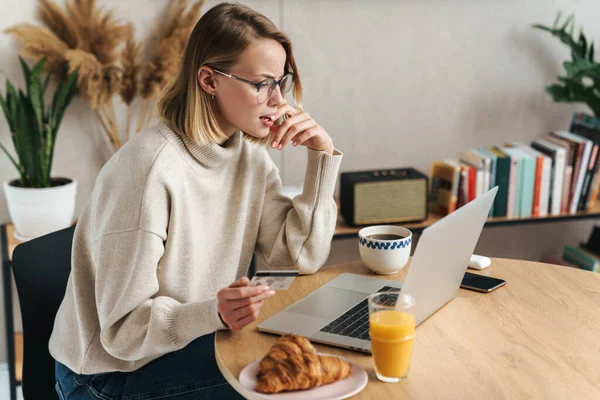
column 18, row 356
column 12, row 241
column 343, row 230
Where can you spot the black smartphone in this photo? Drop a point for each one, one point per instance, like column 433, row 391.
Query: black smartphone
column 481, row 283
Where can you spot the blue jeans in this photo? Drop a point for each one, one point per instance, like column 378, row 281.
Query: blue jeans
column 189, row 373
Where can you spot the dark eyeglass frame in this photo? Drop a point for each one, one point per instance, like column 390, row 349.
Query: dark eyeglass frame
column 258, row 85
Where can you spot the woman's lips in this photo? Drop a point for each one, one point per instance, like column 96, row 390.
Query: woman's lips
column 268, row 120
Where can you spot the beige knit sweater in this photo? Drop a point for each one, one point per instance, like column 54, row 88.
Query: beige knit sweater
column 168, row 224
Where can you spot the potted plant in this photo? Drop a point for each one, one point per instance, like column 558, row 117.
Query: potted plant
column 37, row 203
column 581, row 84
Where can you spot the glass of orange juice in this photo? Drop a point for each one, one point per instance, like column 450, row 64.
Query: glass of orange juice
column 392, row 330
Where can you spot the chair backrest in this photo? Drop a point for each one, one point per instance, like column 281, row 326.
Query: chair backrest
column 41, row 268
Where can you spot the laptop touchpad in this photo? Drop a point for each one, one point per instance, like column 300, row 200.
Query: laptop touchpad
column 328, row 302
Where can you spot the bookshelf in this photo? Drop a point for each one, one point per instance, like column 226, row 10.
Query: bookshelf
column 344, row 231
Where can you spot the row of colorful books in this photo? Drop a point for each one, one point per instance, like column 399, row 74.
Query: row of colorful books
column 553, row 175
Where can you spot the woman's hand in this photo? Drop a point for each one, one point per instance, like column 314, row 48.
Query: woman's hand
column 239, row 304
column 299, row 129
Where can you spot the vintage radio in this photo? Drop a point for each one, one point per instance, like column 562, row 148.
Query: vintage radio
column 383, row 196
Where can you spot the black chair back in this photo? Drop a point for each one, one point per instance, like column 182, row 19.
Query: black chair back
column 41, row 268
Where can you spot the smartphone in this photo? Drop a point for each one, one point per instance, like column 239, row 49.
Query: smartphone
column 481, row 283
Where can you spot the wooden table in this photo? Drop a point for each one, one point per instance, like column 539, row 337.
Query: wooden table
column 536, row 337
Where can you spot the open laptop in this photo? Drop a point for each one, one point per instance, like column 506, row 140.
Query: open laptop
column 337, row 313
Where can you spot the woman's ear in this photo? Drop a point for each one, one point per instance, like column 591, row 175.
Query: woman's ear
column 206, row 79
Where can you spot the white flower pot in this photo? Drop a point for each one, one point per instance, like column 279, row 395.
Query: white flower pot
column 36, row 212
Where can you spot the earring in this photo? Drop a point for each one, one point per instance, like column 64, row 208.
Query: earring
column 213, row 96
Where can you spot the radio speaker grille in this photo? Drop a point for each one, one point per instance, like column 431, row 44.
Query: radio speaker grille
column 394, row 201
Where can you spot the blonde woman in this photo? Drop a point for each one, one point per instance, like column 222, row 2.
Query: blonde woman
column 161, row 251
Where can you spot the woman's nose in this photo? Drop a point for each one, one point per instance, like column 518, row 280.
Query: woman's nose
column 276, row 98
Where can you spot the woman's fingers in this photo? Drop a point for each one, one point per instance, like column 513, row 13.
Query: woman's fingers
column 241, row 312
column 286, row 109
column 279, row 131
column 234, row 304
column 233, row 293
column 238, row 301
column 248, row 319
column 243, row 281
column 301, row 139
column 245, row 315
column 296, row 130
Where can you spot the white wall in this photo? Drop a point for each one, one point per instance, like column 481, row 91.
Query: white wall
column 395, row 83
column 402, row 83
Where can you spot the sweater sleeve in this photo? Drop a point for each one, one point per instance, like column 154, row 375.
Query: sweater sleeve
column 297, row 233
column 136, row 322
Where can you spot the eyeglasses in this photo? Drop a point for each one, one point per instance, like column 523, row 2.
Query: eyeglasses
column 265, row 88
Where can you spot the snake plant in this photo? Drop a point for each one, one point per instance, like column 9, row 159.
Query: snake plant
column 33, row 125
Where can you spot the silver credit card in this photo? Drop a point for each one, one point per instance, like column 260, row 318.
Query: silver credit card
column 275, row 280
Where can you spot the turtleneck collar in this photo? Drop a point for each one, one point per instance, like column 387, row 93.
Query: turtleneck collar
column 211, row 155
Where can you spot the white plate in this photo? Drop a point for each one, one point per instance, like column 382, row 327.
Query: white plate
column 354, row 383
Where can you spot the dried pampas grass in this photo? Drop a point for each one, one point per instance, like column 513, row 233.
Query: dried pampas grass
column 107, row 56
column 130, row 60
column 101, row 34
column 40, row 42
column 165, row 50
column 97, row 83
column 59, row 22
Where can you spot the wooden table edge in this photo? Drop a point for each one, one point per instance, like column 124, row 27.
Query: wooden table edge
column 233, row 380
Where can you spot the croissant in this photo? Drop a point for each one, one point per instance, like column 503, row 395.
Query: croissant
column 292, row 364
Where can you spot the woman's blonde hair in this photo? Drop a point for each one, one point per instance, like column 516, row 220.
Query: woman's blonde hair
column 217, row 40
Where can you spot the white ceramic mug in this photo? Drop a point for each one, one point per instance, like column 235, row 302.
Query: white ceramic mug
column 384, row 255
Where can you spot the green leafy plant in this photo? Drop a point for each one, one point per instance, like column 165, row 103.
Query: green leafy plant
column 34, row 126
column 582, row 81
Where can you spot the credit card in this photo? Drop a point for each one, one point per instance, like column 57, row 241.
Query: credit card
column 275, row 280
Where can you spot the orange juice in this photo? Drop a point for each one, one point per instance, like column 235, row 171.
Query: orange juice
column 392, row 337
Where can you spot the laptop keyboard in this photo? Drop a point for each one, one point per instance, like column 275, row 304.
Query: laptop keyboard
column 355, row 322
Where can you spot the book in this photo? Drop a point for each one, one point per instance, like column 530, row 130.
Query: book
column 516, row 180
column 543, row 171
column 471, row 181
column 581, row 258
column 503, row 166
column 482, row 164
column 595, row 186
column 591, row 254
column 584, row 120
column 588, row 127
column 463, row 186
column 512, row 184
column 493, row 172
column 444, row 187
column 557, row 155
column 584, row 148
column 587, row 180
column 528, row 171
column 569, row 163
